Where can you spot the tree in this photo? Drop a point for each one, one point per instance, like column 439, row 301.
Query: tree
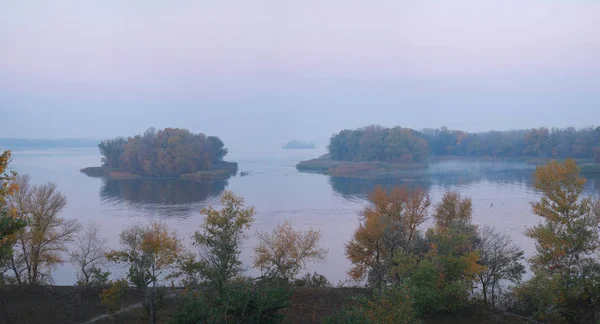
column 169, row 152
column 566, row 244
column 149, row 251
column 452, row 208
column 284, row 252
column 220, row 238
column 39, row 246
column 388, row 225
column 9, row 224
column 367, row 250
column 502, row 261
column 88, row 255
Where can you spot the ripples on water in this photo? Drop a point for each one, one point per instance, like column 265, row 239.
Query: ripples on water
column 501, row 194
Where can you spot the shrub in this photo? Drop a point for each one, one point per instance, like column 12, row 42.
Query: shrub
column 391, row 305
column 240, row 301
column 112, row 297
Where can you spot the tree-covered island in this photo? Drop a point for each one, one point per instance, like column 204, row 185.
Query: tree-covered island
column 377, row 150
column 167, row 153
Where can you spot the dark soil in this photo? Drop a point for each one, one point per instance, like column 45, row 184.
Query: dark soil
column 68, row 304
column 55, row 304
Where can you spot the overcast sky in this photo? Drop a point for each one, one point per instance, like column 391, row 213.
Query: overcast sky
column 274, row 70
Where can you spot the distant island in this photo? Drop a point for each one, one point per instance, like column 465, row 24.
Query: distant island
column 167, row 153
column 295, row 144
column 377, row 150
column 39, row 143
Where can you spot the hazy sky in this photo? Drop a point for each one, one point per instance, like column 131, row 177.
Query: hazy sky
column 275, row 70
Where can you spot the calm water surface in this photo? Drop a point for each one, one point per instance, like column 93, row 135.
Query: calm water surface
column 278, row 191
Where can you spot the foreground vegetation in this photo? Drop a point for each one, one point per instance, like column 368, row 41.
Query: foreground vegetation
column 413, row 274
column 171, row 152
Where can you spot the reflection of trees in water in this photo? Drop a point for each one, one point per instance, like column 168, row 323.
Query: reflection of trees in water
column 360, row 187
column 160, row 191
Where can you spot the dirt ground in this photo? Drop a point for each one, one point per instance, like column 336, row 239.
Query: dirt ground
column 68, row 304
column 54, row 304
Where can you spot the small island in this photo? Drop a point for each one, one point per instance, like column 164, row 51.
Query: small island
column 167, row 153
column 295, row 144
column 380, row 151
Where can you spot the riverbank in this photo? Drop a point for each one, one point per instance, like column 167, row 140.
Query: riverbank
column 361, row 169
column 374, row 169
column 223, row 172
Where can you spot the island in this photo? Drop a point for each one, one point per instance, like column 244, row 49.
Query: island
column 295, row 144
column 380, row 151
column 167, row 153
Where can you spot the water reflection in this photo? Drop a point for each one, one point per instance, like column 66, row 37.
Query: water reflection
column 357, row 188
column 162, row 197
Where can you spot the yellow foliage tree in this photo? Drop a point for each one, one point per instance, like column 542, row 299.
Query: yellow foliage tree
column 149, row 251
column 284, row 252
column 41, row 245
column 387, row 225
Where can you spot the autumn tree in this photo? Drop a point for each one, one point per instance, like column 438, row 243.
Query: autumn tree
column 388, row 225
column 502, row 261
column 150, row 251
column 169, row 152
column 9, row 222
column 453, row 207
column 40, row 246
column 285, row 251
column 88, row 254
column 220, row 239
column 567, row 246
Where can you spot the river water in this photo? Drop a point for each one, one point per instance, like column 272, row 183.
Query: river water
column 501, row 198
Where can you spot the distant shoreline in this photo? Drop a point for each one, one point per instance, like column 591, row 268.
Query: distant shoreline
column 367, row 169
column 209, row 175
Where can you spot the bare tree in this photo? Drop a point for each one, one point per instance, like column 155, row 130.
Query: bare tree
column 284, row 252
column 39, row 246
column 88, row 254
column 502, row 260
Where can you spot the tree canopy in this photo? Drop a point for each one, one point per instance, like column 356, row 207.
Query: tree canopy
column 377, row 143
column 164, row 153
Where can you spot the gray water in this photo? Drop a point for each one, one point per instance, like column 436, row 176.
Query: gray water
column 501, row 197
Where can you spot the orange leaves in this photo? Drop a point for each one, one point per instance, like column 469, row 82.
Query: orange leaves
column 387, row 225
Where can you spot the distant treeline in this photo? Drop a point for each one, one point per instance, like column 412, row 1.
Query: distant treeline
column 25, row 143
column 377, row 143
column 296, row 144
column 165, row 153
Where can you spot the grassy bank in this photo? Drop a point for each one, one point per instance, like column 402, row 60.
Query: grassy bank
column 361, row 169
column 222, row 171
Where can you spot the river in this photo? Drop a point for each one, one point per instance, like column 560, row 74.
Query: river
column 501, row 198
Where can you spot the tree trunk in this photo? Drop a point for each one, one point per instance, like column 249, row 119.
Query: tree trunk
column 493, row 293
column 484, row 292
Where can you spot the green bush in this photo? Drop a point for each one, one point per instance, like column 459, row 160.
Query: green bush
column 241, row 301
column 112, row 297
column 391, row 305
